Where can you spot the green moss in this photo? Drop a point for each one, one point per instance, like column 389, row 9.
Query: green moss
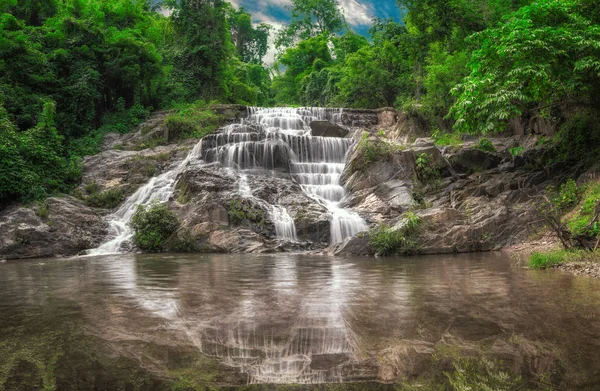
column 240, row 212
column 386, row 240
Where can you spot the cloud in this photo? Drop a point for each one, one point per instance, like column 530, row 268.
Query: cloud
column 357, row 13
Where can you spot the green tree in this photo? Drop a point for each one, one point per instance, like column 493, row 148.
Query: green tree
column 544, row 55
column 311, row 18
column 251, row 42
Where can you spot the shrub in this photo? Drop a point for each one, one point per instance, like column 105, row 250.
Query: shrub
column 386, row 240
column 516, row 151
column 193, row 121
column 154, row 225
column 42, row 210
column 482, row 374
column 108, row 199
column 484, row 144
column 567, row 196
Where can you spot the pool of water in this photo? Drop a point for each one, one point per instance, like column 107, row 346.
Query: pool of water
column 167, row 321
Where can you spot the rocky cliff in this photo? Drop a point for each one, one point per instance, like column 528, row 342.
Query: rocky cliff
column 467, row 198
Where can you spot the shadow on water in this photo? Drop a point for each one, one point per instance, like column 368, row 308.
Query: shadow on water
column 297, row 322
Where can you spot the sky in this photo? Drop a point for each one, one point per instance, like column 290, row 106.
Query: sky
column 358, row 13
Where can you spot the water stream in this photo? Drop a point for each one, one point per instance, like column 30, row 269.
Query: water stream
column 272, row 140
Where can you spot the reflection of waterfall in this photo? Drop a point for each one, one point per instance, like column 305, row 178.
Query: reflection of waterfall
column 279, row 139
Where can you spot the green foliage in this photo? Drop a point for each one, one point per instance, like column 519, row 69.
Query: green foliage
column 583, row 223
column 371, row 151
column 482, row 375
column 309, row 19
column 549, row 259
column 42, row 210
column 516, row 151
column 513, row 74
column 154, row 226
column 567, row 196
column 485, row 145
column 107, row 199
column 386, row 240
column 426, row 170
column 193, row 121
column 242, row 212
column 444, row 139
column 578, row 139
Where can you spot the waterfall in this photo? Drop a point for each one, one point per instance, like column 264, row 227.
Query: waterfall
column 159, row 188
column 280, row 139
column 272, row 139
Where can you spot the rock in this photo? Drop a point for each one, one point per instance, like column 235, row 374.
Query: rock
column 356, row 245
column 327, row 129
column 359, row 118
column 68, row 228
column 469, row 160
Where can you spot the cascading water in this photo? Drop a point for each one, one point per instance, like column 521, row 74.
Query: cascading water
column 275, row 139
column 159, row 188
column 280, row 139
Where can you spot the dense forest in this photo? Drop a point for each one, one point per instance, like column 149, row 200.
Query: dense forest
column 74, row 70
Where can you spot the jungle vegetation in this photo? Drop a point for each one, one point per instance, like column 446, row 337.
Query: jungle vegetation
column 73, row 70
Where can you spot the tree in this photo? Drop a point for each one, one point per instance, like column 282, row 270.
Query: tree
column 311, row 18
column 251, row 42
column 544, row 55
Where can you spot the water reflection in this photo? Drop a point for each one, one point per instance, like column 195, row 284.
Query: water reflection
column 310, row 319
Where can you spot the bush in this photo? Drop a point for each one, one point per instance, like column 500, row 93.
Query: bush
column 108, row 199
column 154, row 225
column 484, row 144
column 516, row 151
column 193, row 121
column 386, row 240
column 567, row 196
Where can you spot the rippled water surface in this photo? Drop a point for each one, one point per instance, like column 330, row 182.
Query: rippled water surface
column 298, row 319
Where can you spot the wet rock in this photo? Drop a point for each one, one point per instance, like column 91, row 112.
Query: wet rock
column 327, row 129
column 359, row 118
column 357, row 245
column 66, row 227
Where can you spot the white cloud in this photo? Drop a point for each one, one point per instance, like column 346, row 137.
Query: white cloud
column 357, row 14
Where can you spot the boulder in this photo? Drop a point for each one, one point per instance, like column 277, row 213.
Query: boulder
column 327, row 129
column 356, row 245
column 59, row 226
column 469, row 160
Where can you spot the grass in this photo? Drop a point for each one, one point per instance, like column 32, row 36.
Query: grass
column 549, row 259
column 484, row 144
column 109, row 199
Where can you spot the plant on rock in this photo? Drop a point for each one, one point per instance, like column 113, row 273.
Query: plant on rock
column 157, row 229
column 386, row 240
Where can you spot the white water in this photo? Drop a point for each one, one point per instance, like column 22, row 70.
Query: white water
column 159, row 188
column 280, row 139
column 272, row 139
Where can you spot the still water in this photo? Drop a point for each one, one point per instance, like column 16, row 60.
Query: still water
column 234, row 320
